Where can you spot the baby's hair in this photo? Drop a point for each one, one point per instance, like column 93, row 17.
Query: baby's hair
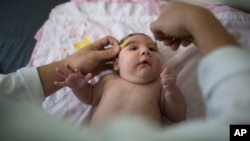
column 132, row 34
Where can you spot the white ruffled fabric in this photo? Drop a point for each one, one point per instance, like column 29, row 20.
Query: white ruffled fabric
column 70, row 22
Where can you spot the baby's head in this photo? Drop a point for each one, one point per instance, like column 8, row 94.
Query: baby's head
column 139, row 59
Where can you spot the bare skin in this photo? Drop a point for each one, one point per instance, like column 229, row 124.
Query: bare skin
column 89, row 59
column 121, row 97
column 208, row 33
column 140, row 89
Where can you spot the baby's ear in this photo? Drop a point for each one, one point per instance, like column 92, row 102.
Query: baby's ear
column 116, row 65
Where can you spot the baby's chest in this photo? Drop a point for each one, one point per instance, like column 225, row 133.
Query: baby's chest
column 133, row 94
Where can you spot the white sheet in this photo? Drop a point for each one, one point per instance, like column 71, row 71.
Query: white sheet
column 70, row 22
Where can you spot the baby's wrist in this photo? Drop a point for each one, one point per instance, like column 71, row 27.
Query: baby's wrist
column 170, row 88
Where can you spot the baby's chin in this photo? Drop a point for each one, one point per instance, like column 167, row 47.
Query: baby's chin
column 141, row 80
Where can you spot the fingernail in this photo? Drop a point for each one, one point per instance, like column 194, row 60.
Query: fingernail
column 116, row 49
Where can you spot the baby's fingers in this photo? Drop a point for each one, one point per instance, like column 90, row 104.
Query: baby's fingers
column 69, row 68
column 166, row 71
column 60, row 84
column 167, row 76
column 62, row 73
column 168, row 79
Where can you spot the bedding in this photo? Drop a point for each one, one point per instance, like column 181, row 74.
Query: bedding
column 84, row 21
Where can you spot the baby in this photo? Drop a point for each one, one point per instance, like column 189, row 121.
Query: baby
column 140, row 87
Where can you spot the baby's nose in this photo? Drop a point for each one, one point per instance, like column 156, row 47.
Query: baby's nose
column 145, row 52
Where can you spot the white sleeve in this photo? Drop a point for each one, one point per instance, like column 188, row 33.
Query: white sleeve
column 23, row 85
column 22, row 117
column 224, row 78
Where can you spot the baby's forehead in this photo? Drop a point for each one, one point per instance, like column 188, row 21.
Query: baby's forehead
column 137, row 38
column 140, row 36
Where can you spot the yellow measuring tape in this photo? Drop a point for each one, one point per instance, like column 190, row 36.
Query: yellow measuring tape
column 187, row 38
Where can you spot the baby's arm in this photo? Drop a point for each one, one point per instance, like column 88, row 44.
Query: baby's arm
column 173, row 103
column 77, row 82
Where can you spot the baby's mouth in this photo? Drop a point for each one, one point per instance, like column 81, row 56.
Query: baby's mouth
column 145, row 62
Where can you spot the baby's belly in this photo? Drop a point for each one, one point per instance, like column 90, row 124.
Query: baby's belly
column 106, row 111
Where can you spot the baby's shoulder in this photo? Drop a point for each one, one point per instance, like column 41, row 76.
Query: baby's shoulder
column 110, row 77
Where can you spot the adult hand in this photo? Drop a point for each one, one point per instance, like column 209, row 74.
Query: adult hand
column 185, row 20
column 92, row 58
column 88, row 59
column 172, row 22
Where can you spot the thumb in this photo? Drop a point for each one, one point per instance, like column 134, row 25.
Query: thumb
column 88, row 77
column 107, row 53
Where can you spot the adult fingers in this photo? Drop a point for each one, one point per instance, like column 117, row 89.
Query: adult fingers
column 185, row 43
column 175, row 45
column 105, row 41
column 155, row 29
column 102, row 53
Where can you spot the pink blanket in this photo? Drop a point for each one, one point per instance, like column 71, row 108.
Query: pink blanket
column 73, row 21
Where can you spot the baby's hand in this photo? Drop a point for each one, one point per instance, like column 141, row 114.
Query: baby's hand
column 173, row 103
column 168, row 79
column 72, row 78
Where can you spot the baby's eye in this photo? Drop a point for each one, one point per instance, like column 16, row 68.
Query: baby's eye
column 152, row 49
column 133, row 48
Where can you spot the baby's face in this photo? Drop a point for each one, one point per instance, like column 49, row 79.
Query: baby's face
column 139, row 61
